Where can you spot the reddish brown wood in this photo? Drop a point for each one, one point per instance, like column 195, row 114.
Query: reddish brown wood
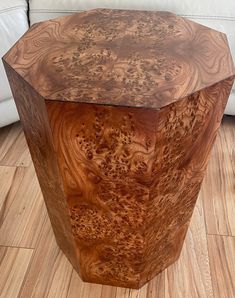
column 120, row 110
column 33, row 115
column 118, row 57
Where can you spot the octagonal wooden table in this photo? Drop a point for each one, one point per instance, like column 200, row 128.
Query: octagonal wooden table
column 120, row 110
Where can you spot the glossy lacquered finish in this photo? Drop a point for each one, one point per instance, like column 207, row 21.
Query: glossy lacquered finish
column 118, row 57
column 120, row 110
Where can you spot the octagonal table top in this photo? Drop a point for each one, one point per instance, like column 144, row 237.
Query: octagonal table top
column 121, row 57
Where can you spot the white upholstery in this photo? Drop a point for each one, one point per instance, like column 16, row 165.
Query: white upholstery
column 212, row 13
column 184, row 7
column 8, row 112
column 13, row 23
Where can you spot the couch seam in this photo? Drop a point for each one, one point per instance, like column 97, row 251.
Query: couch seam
column 208, row 17
column 55, row 11
column 186, row 15
column 12, row 8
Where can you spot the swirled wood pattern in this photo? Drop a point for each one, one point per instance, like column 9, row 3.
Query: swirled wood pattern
column 33, row 115
column 131, row 180
column 120, row 110
column 119, row 57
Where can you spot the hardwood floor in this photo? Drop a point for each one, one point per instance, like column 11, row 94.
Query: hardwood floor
column 31, row 264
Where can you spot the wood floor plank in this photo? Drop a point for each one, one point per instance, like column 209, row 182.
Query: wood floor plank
column 13, row 147
column 190, row 275
column 218, row 189
column 76, row 286
column 50, row 272
column 108, row 292
column 132, row 293
column 61, row 278
column 91, row 290
column 13, row 266
column 141, row 293
column 22, row 221
column 122, row 293
column 6, row 179
column 222, row 262
column 156, row 286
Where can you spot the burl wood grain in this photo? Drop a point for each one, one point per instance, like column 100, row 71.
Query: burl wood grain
column 118, row 57
column 131, row 180
column 120, row 110
column 33, row 115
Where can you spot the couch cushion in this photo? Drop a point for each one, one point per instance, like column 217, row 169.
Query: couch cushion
column 8, row 112
column 13, row 23
column 188, row 8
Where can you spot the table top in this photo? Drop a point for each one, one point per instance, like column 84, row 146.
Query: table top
column 121, row 57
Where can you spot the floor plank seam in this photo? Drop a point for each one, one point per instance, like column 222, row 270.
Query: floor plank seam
column 2, row 216
column 210, row 269
column 26, row 274
column 70, row 280
column 31, row 260
column 222, row 235
column 13, row 166
column 3, row 212
column 14, row 246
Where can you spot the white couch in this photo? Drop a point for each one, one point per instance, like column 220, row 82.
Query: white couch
column 13, row 22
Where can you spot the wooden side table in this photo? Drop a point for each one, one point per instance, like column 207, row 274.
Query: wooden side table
column 120, row 110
